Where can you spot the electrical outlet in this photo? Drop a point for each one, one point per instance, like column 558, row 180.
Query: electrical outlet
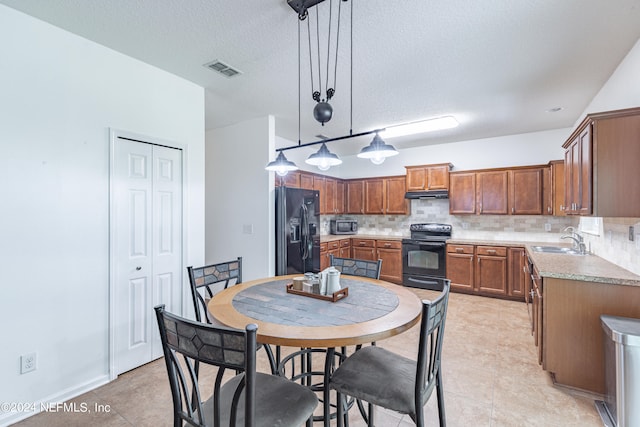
column 28, row 363
column 547, row 226
column 465, row 225
column 631, row 233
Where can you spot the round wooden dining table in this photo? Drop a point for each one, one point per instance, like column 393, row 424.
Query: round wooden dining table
column 372, row 311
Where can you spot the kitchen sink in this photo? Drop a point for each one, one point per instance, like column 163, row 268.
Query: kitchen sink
column 556, row 250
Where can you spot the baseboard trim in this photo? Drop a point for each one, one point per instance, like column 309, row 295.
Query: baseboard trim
column 9, row 418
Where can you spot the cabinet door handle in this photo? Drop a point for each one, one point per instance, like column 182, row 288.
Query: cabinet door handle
column 561, row 207
column 491, row 251
column 513, row 210
column 459, row 250
column 362, row 243
column 387, row 245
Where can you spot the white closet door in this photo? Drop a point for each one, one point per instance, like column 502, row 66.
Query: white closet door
column 148, row 246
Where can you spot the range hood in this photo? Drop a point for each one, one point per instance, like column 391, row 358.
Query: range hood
column 428, row 194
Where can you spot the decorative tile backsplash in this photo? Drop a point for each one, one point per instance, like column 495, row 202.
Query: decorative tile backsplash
column 490, row 227
column 613, row 245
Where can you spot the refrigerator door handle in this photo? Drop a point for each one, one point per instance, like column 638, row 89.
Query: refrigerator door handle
column 304, row 232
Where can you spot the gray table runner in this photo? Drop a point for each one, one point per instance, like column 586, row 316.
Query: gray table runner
column 270, row 302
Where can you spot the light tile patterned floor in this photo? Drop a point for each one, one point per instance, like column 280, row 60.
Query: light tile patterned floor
column 491, row 378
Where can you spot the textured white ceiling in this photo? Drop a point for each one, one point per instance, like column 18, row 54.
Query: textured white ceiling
column 497, row 65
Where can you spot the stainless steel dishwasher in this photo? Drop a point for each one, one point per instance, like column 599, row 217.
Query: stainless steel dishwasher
column 622, row 372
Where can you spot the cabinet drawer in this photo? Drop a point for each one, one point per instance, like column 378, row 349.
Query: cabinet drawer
column 333, row 245
column 388, row 244
column 363, row 243
column 323, row 247
column 345, row 243
column 491, row 250
column 460, row 249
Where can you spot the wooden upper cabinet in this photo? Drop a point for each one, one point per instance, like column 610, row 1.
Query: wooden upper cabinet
column 340, row 202
column 557, row 187
column 462, row 193
column 330, row 188
column 355, row 196
column 578, row 170
column 319, row 184
column 306, row 181
column 416, row 178
column 374, row 196
column 491, row 192
column 428, row 177
column 525, row 191
column 395, row 202
column 601, row 165
column 291, row 180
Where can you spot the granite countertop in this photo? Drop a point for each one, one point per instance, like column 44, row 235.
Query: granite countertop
column 587, row 268
column 332, row 237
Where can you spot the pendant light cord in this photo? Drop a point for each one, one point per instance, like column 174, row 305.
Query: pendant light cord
column 351, row 74
column 326, row 85
column 299, row 142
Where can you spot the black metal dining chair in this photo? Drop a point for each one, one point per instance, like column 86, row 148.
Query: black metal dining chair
column 357, row 267
column 210, row 279
column 383, row 378
column 248, row 399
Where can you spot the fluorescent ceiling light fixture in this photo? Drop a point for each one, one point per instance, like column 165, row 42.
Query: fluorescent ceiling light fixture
column 281, row 165
column 323, row 158
column 440, row 123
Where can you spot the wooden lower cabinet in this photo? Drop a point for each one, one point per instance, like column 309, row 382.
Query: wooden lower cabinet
column 460, row 267
column 517, row 273
column 363, row 249
column 491, row 270
column 485, row 270
column 345, row 248
column 390, row 252
column 572, row 339
column 326, row 250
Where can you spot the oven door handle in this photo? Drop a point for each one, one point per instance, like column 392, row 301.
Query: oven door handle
column 425, row 282
column 428, row 244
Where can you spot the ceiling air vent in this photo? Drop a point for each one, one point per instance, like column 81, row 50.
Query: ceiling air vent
column 222, row 68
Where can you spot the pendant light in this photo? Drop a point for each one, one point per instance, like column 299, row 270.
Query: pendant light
column 377, row 151
column 281, row 165
column 323, row 158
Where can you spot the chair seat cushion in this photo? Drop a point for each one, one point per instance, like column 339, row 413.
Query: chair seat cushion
column 279, row 402
column 378, row 376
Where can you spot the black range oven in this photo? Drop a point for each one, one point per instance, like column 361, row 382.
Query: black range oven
column 424, row 256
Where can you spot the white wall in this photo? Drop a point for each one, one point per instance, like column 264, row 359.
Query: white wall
column 59, row 95
column 622, row 90
column 239, row 201
column 512, row 150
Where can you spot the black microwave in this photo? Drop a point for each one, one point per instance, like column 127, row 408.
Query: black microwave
column 344, row 226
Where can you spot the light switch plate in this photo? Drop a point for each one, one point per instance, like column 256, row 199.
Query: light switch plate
column 631, row 233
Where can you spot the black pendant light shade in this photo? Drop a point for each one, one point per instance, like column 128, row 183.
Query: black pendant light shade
column 281, row 165
column 323, row 158
column 377, row 151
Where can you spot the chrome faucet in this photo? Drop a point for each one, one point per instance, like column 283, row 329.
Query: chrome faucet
column 578, row 241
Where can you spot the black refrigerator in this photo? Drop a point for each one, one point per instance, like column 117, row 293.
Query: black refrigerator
column 297, row 231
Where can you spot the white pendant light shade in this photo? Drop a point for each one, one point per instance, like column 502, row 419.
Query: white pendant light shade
column 377, row 151
column 281, row 165
column 323, row 158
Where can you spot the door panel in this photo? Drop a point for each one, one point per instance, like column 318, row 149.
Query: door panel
column 147, row 237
